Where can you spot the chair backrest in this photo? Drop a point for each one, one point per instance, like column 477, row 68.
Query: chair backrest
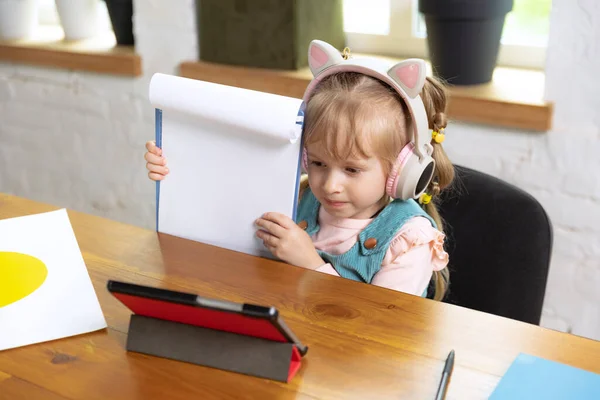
column 499, row 239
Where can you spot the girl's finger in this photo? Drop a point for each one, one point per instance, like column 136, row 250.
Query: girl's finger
column 159, row 169
column 151, row 147
column 279, row 219
column 271, row 227
column 154, row 159
column 268, row 239
column 155, row 177
column 270, row 248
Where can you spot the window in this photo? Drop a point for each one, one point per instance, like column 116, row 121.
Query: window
column 395, row 28
column 48, row 15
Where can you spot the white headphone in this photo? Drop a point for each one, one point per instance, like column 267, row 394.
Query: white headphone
column 413, row 170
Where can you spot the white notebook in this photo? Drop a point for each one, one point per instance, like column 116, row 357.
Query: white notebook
column 233, row 154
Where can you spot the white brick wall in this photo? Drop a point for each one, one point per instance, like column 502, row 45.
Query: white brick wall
column 559, row 167
column 77, row 140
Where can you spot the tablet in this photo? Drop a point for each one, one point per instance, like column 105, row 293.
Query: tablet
column 244, row 319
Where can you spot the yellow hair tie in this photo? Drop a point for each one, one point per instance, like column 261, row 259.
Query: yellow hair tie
column 438, row 137
column 425, row 198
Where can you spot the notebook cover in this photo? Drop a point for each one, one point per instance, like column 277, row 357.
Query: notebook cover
column 531, row 377
column 158, row 141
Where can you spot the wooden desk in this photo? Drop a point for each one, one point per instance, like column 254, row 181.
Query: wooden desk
column 365, row 342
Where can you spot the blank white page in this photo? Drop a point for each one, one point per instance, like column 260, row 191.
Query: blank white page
column 62, row 302
column 233, row 154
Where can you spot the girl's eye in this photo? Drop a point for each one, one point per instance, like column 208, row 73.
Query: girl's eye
column 316, row 163
column 353, row 171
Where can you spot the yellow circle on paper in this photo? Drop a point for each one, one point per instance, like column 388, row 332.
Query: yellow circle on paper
column 20, row 275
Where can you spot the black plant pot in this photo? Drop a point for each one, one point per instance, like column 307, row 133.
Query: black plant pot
column 463, row 37
column 121, row 15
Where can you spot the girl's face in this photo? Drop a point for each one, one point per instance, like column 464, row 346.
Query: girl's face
column 353, row 188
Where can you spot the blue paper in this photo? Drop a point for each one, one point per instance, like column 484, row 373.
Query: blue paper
column 531, row 377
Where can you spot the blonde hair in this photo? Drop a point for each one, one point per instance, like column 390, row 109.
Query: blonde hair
column 355, row 115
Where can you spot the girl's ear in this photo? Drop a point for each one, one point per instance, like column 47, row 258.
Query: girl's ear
column 322, row 55
column 410, row 75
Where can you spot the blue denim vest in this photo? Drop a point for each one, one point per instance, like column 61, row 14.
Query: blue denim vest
column 361, row 263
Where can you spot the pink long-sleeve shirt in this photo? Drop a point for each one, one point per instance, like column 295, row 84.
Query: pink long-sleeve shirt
column 415, row 252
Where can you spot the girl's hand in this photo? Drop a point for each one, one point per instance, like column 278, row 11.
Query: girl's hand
column 287, row 241
column 156, row 163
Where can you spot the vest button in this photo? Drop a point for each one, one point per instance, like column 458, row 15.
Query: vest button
column 303, row 225
column 370, row 243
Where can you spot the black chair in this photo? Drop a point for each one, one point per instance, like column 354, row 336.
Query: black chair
column 499, row 239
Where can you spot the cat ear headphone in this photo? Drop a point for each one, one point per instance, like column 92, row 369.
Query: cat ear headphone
column 413, row 169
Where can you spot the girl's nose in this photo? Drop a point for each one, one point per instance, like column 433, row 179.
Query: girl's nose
column 333, row 183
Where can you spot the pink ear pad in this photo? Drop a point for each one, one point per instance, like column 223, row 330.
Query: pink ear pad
column 392, row 182
column 304, row 161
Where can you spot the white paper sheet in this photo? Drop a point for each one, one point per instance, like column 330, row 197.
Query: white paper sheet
column 247, row 112
column 233, row 154
column 65, row 304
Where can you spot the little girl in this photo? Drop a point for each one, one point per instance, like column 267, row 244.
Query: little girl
column 372, row 144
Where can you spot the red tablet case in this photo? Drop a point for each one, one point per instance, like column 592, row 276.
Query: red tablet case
column 213, row 338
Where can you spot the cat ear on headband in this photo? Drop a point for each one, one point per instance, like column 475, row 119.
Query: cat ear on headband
column 410, row 75
column 322, row 55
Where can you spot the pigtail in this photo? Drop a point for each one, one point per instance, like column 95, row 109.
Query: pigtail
column 303, row 186
column 435, row 100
